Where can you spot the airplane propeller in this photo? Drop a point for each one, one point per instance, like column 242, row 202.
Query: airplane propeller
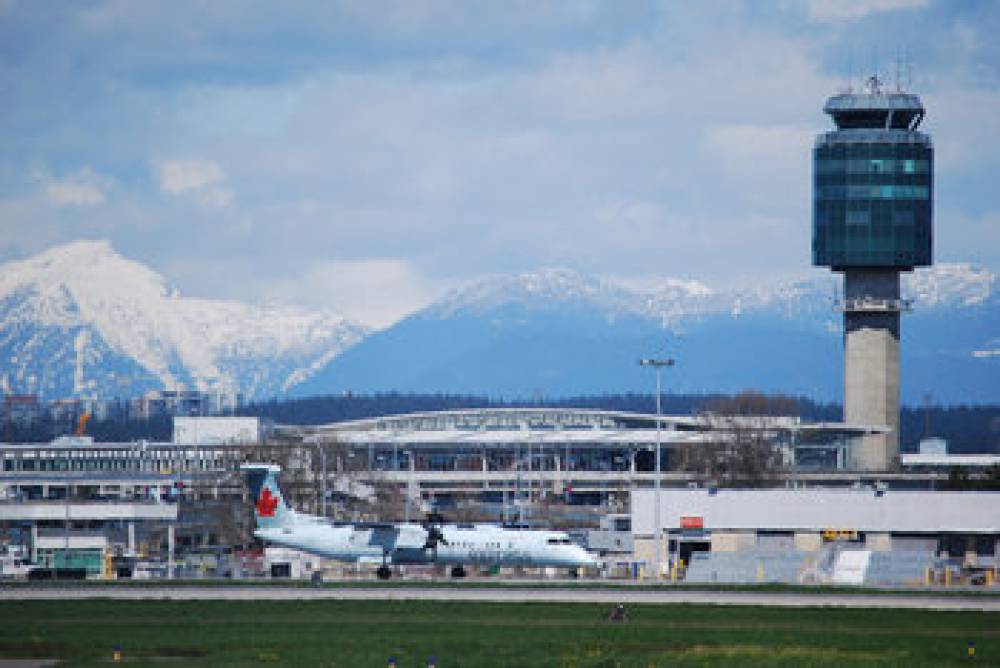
column 432, row 525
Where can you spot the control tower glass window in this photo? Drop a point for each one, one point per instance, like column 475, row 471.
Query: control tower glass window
column 872, row 184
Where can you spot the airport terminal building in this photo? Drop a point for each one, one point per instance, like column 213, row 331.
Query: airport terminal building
column 73, row 501
column 586, row 450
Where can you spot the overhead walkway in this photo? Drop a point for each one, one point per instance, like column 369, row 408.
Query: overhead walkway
column 33, row 511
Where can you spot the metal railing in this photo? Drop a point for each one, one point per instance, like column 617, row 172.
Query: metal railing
column 872, row 305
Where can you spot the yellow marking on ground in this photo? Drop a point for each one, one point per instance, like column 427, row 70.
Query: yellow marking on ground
column 793, row 652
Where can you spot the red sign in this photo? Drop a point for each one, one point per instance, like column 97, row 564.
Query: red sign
column 692, row 522
column 266, row 504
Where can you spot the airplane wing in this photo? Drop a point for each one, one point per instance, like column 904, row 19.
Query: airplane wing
column 391, row 536
column 364, row 525
column 399, row 536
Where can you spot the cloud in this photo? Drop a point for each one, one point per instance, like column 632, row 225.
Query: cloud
column 214, row 198
column 768, row 142
column 178, row 176
column 961, row 237
column 450, row 140
column 376, row 291
column 84, row 188
column 766, row 164
column 638, row 219
column 852, row 10
column 51, row 209
column 204, row 180
column 960, row 130
column 78, row 194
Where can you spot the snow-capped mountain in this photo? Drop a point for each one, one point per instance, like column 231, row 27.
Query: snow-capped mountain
column 668, row 299
column 555, row 332
column 546, row 289
column 676, row 303
column 80, row 320
column 950, row 285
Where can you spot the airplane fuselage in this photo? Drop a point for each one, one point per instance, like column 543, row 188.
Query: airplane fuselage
column 387, row 543
column 481, row 544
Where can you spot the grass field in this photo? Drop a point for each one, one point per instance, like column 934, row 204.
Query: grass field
column 352, row 634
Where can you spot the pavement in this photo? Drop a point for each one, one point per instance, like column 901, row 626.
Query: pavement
column 574, row 594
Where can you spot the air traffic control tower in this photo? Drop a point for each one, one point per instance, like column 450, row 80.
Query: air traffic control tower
column 872, row 201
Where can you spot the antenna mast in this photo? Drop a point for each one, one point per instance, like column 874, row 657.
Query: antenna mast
column 909, row 71
column 899, row 67
column 850, row 70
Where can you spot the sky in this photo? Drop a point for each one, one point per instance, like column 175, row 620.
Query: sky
column 365, row 157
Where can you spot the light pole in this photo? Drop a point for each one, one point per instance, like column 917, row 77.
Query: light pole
column 322, row 481
column 657, row 364
column 315, row 440
column 408, row 498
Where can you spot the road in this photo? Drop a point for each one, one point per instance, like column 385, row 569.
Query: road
column 575, row 594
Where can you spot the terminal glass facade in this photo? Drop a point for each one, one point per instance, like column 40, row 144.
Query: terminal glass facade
column 872, row 202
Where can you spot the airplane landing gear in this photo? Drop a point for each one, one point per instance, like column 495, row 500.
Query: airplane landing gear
column 458, row 572
column 384, row 572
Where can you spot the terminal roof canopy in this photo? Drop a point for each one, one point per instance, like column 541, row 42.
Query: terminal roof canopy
column 551, row 425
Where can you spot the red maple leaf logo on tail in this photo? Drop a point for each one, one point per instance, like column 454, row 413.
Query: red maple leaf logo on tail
column 267, row 503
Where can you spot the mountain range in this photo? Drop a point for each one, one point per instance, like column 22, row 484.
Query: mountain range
column 80, row 320
column 557, row 333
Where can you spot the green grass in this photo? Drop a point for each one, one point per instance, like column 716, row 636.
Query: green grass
column 490, row 583
column 354, row 634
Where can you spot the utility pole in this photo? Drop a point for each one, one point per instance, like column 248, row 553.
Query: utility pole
column 322, row 480
column 315, row 441
column 658, row 365
column 927, row 414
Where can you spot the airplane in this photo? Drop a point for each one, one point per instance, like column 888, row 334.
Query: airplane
column 455, row 545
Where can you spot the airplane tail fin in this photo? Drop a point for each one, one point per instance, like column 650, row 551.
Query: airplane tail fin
column 269, row 507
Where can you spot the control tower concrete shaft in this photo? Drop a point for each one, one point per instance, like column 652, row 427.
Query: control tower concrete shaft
column 872, row 204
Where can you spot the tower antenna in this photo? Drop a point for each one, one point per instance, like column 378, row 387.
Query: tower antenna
column 899, row 67
column 875, row 81
column 909, row 70
column 850, row 70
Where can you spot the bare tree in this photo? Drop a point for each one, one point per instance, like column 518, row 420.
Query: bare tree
column 744, row 447
column 213, row 509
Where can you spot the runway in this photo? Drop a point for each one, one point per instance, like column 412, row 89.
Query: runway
column 575, row 594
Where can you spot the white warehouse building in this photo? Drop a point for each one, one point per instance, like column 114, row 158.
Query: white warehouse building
column 802, row 535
